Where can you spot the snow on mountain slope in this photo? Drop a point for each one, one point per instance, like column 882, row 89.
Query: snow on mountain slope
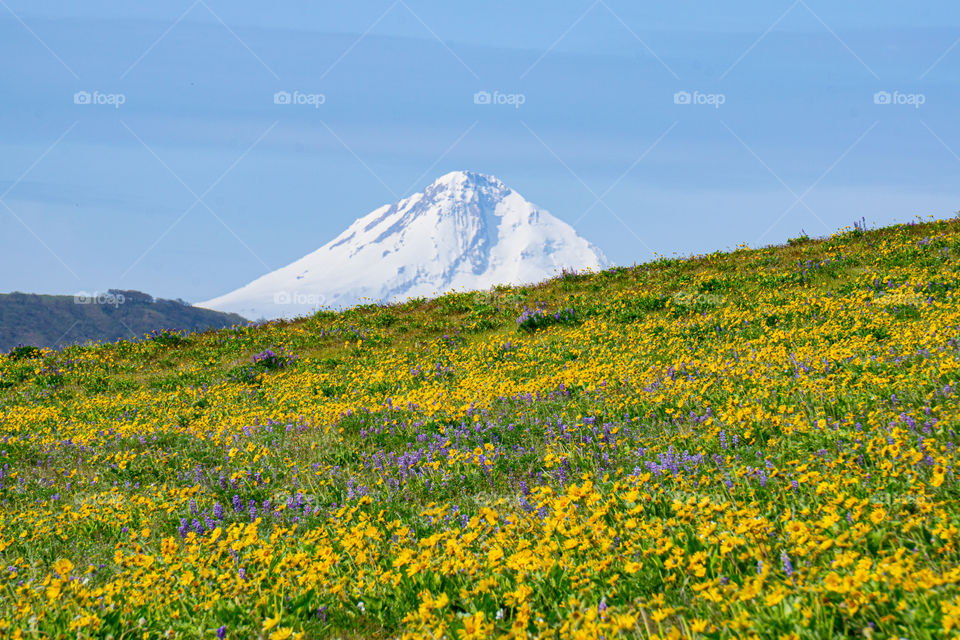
column 466, row 231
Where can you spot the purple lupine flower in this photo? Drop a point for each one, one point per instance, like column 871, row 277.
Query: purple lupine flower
column 787, row 565
column 237, row 503
column 222, row 632
column 218, row 511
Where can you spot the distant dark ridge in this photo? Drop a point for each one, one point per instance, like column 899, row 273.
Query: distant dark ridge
column 58, row 321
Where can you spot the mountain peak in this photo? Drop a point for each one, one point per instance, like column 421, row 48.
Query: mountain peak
column 461, row 182
column 464, row 176
column 465, row 231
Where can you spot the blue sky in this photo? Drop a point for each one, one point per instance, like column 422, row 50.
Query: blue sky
column 199, row 182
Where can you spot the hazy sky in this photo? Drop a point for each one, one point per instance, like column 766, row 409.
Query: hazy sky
column 142, row 146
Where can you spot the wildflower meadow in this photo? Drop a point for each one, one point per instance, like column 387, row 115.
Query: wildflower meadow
column 760, row 443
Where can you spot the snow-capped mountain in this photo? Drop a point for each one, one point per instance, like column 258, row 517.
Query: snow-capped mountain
column 466, row 231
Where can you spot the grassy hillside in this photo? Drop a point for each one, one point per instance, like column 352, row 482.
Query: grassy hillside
column 760, row 443
column 55, row 321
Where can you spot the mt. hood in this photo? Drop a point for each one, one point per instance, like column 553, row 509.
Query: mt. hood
column 466, row 231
